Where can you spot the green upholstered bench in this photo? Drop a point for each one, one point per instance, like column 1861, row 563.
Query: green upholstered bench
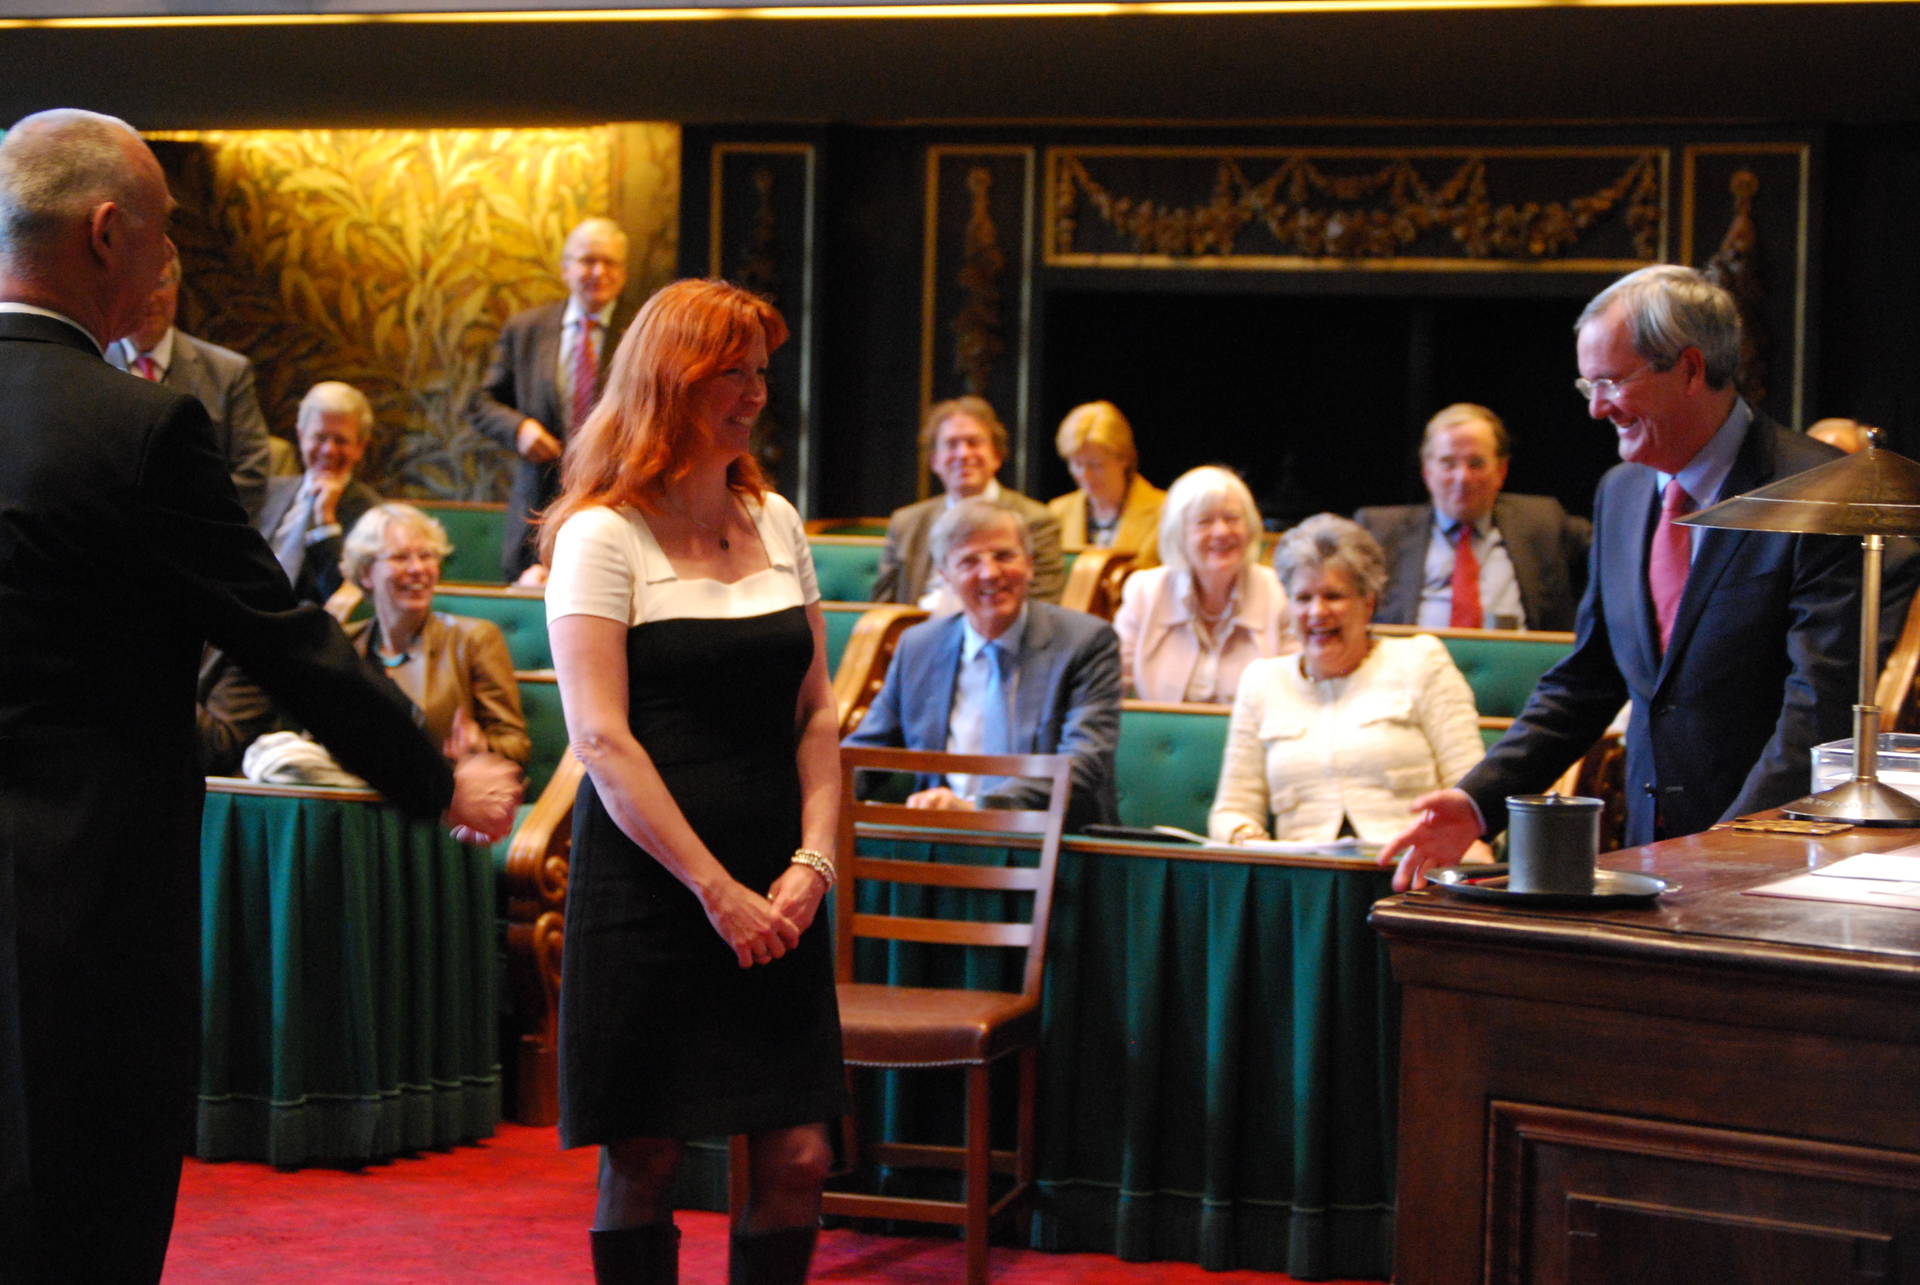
column 840, row 618
column 846, row 565
column 1501, row 665
column 1168, row 762
column 546, row 726
column 520, row 613
column 476, row 529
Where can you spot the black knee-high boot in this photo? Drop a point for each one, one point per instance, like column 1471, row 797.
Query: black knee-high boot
column 645, row 1255
column 777, row 1257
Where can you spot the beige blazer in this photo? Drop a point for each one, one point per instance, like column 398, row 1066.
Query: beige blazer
column 467, row 667
column 1139, row 529
column 1159, row 645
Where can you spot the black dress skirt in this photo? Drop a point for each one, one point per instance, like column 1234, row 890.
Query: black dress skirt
column 662, row 1033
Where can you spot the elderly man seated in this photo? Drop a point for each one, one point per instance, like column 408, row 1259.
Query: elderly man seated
column 1006, row 675
column 1476, row 556
column 965, row 444
column 304, row 516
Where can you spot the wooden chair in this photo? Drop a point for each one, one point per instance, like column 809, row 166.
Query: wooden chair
column 1093, row 585
column 907, row 1027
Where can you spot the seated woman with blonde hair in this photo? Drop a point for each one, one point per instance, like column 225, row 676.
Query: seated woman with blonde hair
column 1115, row 508
column 1340, row 739
column 456, row 670
column 1188, row 629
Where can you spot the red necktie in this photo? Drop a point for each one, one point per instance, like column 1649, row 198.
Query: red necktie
column 1669, row 559
column 1466, row 583
column 147, row 368
column 585, row 369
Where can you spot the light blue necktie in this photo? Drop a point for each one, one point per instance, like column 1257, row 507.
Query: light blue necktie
column 996, row 723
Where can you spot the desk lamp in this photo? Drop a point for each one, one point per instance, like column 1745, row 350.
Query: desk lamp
column 1872, row 494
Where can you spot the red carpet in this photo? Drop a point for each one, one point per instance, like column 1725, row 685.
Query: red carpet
column 514, row 1210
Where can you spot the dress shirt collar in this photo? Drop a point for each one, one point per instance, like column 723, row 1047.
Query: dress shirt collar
column 1707, row 471
column 992, row 492
column 1450, row 527
column 1010, row 642
column 37, row 311
column 162, row 352
column 574, row 312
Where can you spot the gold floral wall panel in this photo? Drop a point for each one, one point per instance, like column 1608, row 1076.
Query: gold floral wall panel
column 1424, row 209
column 390, row 258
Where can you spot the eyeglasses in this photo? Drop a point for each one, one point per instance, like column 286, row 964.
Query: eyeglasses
column 1606, row 388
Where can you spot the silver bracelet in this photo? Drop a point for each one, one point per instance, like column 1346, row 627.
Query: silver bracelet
column 817, row 863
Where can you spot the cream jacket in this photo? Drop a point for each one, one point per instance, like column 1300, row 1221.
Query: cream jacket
column 1160, row 646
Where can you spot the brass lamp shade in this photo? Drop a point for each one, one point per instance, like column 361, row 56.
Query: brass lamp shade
column 1871, row 494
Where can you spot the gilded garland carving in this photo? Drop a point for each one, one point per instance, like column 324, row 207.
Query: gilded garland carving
column 1311, row 212
column 977, row 326
column 1735, row 266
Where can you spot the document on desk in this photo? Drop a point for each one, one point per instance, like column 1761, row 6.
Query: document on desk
column 1347, row 847
column 1869, row 879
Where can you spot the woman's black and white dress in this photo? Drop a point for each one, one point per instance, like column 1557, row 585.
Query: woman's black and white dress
column 662, row 1033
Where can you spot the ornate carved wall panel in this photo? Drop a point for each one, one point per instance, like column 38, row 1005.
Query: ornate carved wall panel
column 762, row 212
column 1745, row 216
column 976, row 299
column 389, row 259
column 1583, row 209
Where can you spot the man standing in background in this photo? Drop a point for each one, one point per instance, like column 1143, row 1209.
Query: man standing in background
column 548, row 370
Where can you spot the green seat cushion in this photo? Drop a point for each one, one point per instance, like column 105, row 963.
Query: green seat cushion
column 840, row 622
column 476, row 535
column 846, row 571
column 1167, row 766
column 523, row 619
column 546, row 728
column 1502, row 671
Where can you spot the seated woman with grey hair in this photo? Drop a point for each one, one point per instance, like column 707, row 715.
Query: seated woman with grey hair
column 1188, row 629
column 1340, row 739
column 456, row 670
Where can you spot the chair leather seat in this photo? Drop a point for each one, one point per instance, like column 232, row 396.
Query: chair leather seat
column 919, row 1026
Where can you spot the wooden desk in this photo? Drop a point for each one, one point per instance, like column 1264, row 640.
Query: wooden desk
column 1718, row 1088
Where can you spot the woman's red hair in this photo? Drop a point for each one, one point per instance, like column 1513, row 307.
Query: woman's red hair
column 642, row 434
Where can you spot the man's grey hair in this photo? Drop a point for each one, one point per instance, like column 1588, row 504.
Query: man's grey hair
column 596, row 223
column 330, row 396
column 1669, row 309
column 367, row 541
column 55, row 168
column 1192, row 491
column 1327, row 541
column 969, row 518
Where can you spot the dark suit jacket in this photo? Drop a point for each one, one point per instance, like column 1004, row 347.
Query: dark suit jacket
column 123, row 548
column 223, row 381
column 1548, row 547
column 1760, row 668
column 520, row 385
column 906, row 562
column 320, row 569
column 1067, row 702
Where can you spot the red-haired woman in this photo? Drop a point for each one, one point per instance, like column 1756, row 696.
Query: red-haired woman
column 697, row 987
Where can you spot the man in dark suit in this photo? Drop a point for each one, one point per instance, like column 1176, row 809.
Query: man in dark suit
column 305, row 518
column 965, row 444
column 1737, row 649
column 221, row 378
column 548, row 370
column 1052, row 688
column 123, row 547
column 1525, row 558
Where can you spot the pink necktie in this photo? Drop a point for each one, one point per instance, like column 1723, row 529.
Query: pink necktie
column 1669, row 558
column 1466, row 583
column 147, row 368
column 585, row 369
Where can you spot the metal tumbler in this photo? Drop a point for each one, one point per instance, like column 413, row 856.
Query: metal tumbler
column 1552, row 841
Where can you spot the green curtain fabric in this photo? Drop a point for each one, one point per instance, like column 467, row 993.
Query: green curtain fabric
column 348, row 1001
column 1218, row 1062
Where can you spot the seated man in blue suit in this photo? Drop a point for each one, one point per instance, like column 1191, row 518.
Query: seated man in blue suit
column 1006, row 675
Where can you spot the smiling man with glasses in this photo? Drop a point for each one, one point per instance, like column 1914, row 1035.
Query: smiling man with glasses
column 1736, row 649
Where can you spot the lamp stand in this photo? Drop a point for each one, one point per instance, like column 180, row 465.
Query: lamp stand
column 1864, row 800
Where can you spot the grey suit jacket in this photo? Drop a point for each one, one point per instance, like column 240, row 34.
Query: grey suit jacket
column 1548, row 547
column 1067, row 702
column 520, row 384
column 906, row 563
column 223, row 381
column 320, row 569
